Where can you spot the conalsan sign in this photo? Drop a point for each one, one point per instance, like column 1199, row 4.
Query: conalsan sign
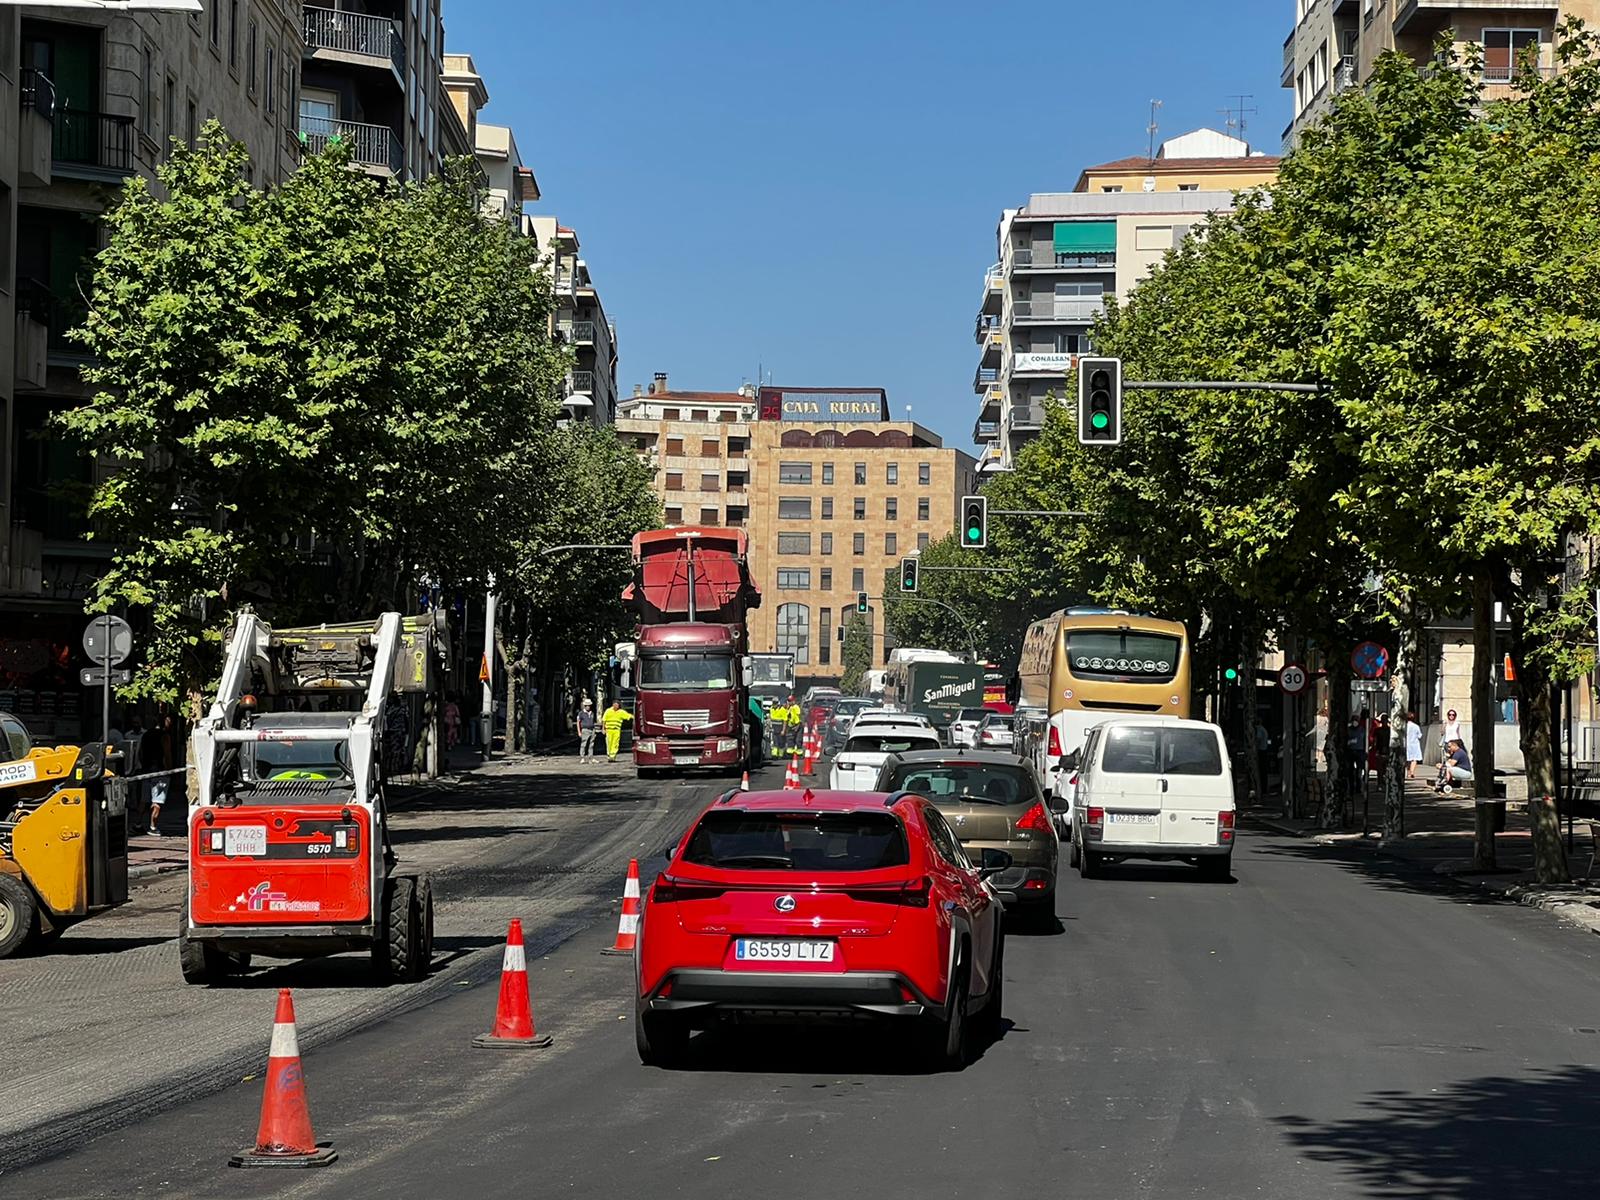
column 843, row 404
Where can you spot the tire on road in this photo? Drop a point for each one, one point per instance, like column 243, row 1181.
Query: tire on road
column 661, row 1038
column 424, row 913
column 1090, row 865
column 949, row 1039
column 201, row 962
column 1072, row 852
column 19, row 914
column 394, row 952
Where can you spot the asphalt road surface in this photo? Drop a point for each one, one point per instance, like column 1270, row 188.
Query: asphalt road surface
column 1324, row 1026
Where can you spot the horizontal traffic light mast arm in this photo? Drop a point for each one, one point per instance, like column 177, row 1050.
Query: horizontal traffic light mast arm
column 1217, row 385
column 909, row 598
column 1028, row 512
column 975, row 570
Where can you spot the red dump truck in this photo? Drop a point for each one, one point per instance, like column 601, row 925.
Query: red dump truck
column 691, row 591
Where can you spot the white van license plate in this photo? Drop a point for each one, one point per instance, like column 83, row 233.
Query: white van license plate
column 769, row 950
column 1125, row 818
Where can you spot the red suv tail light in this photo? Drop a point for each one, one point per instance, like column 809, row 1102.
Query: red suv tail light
column 1035, row 820
column 1055, row 742
column 1094, row 823
column 668, row 890
column 909, row 895
column 1224, row 828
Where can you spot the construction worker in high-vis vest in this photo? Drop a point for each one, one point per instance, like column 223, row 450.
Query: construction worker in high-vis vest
column 791, row 726
column 612, row 721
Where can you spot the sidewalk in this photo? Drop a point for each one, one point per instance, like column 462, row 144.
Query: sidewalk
column 1439, row 838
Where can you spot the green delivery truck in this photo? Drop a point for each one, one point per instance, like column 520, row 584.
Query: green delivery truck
column 937, row 688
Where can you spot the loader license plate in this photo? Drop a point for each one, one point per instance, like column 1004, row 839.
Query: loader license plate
column 245, row 841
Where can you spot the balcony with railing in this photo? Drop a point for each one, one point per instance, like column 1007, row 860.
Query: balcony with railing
column 985, row 377
column 578, row 333
column 1026, row 418
column 91, row 145
column 987, row 323
column 994, row 289
column 1059, row 308
column 354, row 37
column 374, row 147
column 1344, row 75
column 35, row 138
column 1029, row 259
column 984, row 432
column 580, row 381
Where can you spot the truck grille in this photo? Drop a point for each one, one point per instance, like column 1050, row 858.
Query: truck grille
column 694, row 718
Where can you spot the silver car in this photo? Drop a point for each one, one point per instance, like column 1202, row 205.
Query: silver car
column 964, row 729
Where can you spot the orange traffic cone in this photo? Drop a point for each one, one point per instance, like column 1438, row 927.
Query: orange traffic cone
column 513, row 1015
column 791, row 773
column 744, row 782
column 628, row 923
column 284, row 1137
column 811, row 755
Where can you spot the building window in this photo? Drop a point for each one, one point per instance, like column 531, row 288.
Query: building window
column 858, row 544
column 233, row 33
column 147, row 90
column 827, row 508
column 169, row 114
column 674, row 481
column 824, row 646
column 710, row 482
column 861, row 474
column 797, row 579
column 827, row 473
column 825, row 583
column 708, row 516
column 794, row 508
column 725, row 417
column 674, row 514
column 922, row 508
column 858, row 580
column 861, row 508
column 922, row 541
column 1503, row 50
column 794, row 543
column 670, row 414
column 827, row 543
column 191, row 124
column 1188, row 187
column 891, row 473
column 891, row 508
column 699, row 414
column 1111, row 187
column 794, row 632
column 675, row 445
column 794, row 472
column 891, row 544
column 269, row 73
column 710, row 448
column 216, row 23
column 250, row 59
column 924, row 473
column 294, row 90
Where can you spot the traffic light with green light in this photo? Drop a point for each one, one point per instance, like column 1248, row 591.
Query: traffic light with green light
column 1100, row 401
column 974, row 522
column 861, row 603
column 1230, row 674
column 908, row 574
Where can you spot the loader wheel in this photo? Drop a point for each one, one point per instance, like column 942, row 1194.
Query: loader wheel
column 394, row 954
column 201, row 962
column 424, row 907
column 18, row 914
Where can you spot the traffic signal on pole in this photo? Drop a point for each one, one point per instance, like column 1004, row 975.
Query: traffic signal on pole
column 1100, row 401
column 861, row 602
column 974, row 522
column 1230, row 674
column 908, row 574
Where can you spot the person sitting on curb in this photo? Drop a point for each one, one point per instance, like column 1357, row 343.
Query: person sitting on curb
column 1456, row 767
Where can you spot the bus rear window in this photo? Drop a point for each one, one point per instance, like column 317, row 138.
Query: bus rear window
column 1122, row 656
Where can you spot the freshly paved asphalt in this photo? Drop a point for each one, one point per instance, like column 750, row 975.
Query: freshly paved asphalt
column 1331, row 1024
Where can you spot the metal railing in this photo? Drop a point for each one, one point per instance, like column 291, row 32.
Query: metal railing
column 371, row 145
column 1056, row 309
column 1344, row 75
column 37, row 92
column 1027, row 417
column 580, row 381
column 92, row 139
column 355, row 33
column 579, row 332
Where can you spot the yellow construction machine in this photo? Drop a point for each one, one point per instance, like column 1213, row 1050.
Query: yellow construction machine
column 63, row 843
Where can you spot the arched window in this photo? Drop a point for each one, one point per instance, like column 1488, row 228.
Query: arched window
column 794, row 631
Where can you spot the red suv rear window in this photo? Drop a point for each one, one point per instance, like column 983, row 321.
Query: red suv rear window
column 736, row 840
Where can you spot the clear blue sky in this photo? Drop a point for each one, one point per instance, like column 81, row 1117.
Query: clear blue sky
column 813, row 186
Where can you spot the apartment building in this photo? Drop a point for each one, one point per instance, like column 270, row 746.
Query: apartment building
column 580, row 321
column 840, row 494
column 699, row 445
column 510, row 182
column 372, row 78
column 1062, row 253
column 1334, row 43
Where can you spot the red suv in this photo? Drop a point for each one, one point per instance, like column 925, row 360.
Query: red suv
column 821, row 904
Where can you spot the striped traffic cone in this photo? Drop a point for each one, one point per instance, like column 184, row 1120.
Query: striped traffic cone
column 811, row 755
column 284, row 1137
column 791, row 774
column 628, row 923
column 744, row 782
column 513, row 1015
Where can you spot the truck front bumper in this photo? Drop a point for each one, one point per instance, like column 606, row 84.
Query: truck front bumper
column 654, row 750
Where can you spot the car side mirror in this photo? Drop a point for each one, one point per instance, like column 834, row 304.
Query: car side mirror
column 1059, row 804
column 992, row 862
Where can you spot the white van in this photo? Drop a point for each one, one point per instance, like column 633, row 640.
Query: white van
column 1158, row 789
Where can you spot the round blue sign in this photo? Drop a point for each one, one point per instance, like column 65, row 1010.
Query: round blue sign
column 1369, row 660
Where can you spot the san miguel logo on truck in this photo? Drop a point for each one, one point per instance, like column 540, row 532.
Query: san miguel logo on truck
column 950, row 691
column 262, row 898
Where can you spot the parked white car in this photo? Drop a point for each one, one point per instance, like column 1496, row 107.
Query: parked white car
column 964, row 729
column 855, row 768
column 1157, row 789
column 996, row 732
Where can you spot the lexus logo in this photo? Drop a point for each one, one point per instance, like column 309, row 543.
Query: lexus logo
column 784, row 904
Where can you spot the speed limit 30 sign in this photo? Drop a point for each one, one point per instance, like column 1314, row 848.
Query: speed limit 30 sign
column 1293, row 679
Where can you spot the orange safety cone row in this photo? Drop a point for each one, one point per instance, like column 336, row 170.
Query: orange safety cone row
column 791, row 773
column 284, row 1137
column 513, row 1014
column 628, row 923
column 811, row 755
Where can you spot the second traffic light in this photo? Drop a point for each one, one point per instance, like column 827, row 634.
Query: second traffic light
column 861, row 602
column 1100, row 401
column 974, row 522
column 908, row 574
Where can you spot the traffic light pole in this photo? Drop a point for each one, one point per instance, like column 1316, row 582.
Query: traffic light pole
column 972, row 641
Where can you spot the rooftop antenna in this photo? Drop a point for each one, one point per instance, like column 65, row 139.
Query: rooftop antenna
column 1235, row 114
column 1152, row 128
column 908, row 414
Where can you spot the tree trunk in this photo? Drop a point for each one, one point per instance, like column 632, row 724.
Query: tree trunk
column 1538, row 757
column 1338, row 731
column 1255, row 772
column 1483, row 848
column 1394, row 775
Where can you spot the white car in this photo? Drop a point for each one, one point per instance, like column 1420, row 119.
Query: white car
column 964, row 729
column 1154, row 788
column 996, row 732
column 855, row 768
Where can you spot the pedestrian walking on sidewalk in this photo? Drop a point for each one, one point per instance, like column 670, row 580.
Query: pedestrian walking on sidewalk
column 586, row 727
column 1451, row 731
column 452, row 722
column 156, row 754
column 1413, row 745
column 612, row 722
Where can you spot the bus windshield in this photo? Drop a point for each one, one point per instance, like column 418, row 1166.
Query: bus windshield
column 1122, row 656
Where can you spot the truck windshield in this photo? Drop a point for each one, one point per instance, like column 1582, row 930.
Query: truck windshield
column 686, row 672
column 298, row 760
column 770, row 670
